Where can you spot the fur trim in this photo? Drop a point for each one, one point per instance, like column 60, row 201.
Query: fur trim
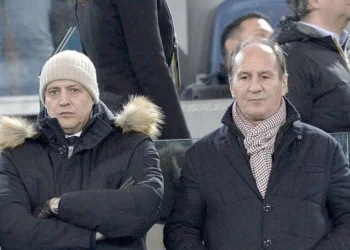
column 13, row 132
column 140, row 115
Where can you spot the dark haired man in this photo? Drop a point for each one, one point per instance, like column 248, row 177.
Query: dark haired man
column 252, row 24
column 319, row 74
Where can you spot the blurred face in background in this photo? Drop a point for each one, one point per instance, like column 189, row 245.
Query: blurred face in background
column 254, row 27
column 333, row 13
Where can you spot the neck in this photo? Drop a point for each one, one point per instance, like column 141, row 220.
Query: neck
column 334, row 26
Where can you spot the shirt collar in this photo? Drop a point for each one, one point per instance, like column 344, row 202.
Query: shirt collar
column 76, row 134
column 340, row 39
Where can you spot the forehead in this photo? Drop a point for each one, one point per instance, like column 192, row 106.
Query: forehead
column 256, row 56
column 63, row 84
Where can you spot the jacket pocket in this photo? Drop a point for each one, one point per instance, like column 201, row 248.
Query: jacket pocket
column 312, row 169
column 311, row 183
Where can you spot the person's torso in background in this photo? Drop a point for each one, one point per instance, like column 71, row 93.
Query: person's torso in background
column 104, row 41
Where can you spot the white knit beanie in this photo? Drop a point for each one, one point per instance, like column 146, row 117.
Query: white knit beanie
column 70, row 65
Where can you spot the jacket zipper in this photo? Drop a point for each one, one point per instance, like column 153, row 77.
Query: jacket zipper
column 340, row 50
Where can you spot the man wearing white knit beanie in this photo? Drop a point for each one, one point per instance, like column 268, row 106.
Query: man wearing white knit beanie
column 70, row 65
column 80, row 177
column 69, row 75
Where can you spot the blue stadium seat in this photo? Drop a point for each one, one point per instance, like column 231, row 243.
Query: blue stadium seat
column 232, row 9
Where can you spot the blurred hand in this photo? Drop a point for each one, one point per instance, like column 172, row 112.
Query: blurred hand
column 127, row 183
column 43, row 211
column 99, row 236
column 48, row 209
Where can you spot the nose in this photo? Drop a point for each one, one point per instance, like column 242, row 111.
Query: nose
column 255, row 85
column 64, row 98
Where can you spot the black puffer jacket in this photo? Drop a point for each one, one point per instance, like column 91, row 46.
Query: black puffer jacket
column 38, row 169
column 319, row 76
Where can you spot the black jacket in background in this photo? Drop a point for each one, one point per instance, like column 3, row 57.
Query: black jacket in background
column 61, row 19
column 214, row 86
column 131, row 45
column 319, row 77
column 306, row 206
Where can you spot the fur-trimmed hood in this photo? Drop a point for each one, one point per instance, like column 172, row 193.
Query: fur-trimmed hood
column 138, row 115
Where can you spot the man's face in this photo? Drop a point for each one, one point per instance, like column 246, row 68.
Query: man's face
column 70, row 103
column 257, row 84
column 254, row 27
column 333, row 10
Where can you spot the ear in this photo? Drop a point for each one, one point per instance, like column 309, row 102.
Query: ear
column 232, row 90
column 230, row 44
column 314, row 4
column 284, row 85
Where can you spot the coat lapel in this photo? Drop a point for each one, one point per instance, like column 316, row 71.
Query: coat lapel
column 239, row 161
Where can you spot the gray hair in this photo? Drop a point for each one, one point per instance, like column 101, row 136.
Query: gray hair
column 277, row 50
column 299, row 8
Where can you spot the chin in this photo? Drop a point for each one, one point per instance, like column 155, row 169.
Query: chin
column 257, row 116
column 256, row 112
column 68, row 131
column 66, row 126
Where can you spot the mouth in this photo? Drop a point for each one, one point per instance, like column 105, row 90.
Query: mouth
column 65, row 113
column 255, row 100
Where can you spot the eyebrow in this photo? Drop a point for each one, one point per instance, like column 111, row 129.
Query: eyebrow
column 243, row 73
column 52, row 87
column 269, row 72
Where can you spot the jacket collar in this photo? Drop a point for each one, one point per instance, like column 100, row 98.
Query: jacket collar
column 289, row 30
column 99, row 124
column 321, row 32
column 293, row 118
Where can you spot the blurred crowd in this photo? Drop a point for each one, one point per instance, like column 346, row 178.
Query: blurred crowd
column 29, row 32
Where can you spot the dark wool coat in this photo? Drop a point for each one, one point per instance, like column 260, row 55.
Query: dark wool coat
column 306, row 206
column 131, row 45
column 34, row 167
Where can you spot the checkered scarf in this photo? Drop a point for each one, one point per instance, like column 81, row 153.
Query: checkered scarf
column 259, row 142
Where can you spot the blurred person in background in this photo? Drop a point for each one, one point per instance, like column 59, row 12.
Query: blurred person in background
column 248, row 25
column 25, row 44
column 317, row 48
column 131, row 44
